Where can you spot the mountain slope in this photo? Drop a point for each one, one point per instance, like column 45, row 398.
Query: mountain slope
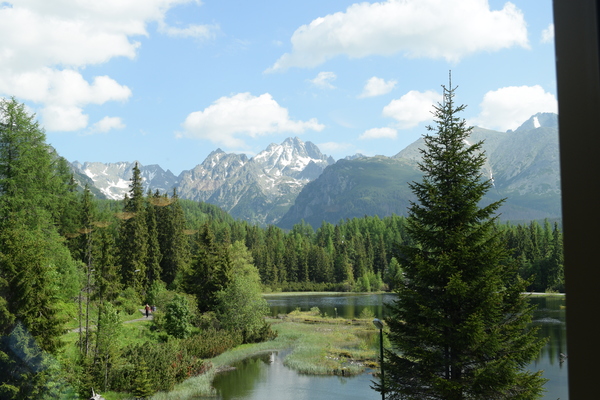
column 354, row 188
column 293, row 180
column 259, row 190
column 112, row 179
column 523, row 165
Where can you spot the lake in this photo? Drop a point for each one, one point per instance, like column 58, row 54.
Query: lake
column 265, row 376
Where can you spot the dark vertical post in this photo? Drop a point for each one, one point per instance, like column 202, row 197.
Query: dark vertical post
column 381, row 363
column 379, row 325
column 578, row 80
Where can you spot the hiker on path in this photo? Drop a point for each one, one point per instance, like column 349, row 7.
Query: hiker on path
column 147, row 310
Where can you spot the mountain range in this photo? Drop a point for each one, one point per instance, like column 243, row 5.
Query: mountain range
column 294, row 181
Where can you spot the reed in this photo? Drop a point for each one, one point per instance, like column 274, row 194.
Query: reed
column 319, row 346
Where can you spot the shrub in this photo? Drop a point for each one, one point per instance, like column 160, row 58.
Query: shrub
column 161, row 364
column 128, row 301
column 210, row 343
column 178, row 318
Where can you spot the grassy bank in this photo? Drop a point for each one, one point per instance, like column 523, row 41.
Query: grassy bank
column 275, row 294
column 321, row 346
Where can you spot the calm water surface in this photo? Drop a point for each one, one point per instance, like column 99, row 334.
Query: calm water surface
column 265, row 376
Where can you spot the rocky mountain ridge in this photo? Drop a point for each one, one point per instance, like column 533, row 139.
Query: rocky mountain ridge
column 259, row 189
column 523, row 165
column 293, row 180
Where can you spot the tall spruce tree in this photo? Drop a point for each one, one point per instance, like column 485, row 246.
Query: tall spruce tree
column 174, row 244
column 154, row 255
column 459, row 326
column 133, row 236
column 210, row 271
column 35, row 268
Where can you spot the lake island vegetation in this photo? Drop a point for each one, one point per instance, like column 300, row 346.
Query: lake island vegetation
column 73, row 269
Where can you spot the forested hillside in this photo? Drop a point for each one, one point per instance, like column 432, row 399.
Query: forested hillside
column 72, row 268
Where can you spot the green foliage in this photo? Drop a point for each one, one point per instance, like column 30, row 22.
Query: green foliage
column 210, row 343
column 459, row 327
column 178, row 317
column 128, row 301
column 393, row 274
column 26, row 263
column 154, row 254
column 31, row 186
column 367, row 313
column 174, row 245
column 240, row 304
column 369, row 282
column 134, row 237
column 152, row 367
column 107, row 352
column 210, row 271
column 156, row 293
column 142, row 385
column 28, row 372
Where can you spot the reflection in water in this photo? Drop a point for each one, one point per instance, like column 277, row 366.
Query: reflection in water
column 266, row 376
column 550, row 318
column 342, row 305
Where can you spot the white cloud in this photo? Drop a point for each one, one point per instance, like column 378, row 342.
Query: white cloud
column 323, row 80
column 412, row 108
column 44, row 45
column 379, row 133
column 548, row 34
column 64, row 93
column 229, row 119
column 106, row 124
column 195, row 31
column 377, row 86
column 417, row 28
column 508, row 107
column 64, row 118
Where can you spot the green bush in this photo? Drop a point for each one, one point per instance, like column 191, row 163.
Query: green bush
column 178, row 317
column 155, row 291
column 161, row 364
column 128, row 301
column 211, row 342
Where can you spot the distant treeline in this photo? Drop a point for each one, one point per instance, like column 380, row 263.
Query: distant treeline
column 365, row 254
column 359, row 254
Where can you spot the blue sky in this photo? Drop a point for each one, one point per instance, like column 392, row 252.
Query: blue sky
column 168, row 81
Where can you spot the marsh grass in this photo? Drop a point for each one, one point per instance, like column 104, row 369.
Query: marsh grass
column 318, row 346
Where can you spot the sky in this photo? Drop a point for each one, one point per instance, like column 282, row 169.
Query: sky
column 168, row 81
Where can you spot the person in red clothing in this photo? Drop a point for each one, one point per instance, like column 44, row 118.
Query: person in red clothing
column 147, row 310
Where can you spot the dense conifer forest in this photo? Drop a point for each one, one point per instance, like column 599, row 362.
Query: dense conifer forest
column 69, row 262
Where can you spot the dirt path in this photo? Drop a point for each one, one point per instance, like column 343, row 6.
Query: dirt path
column 143, row 318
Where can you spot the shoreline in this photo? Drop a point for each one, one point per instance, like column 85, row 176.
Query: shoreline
column 337, row 343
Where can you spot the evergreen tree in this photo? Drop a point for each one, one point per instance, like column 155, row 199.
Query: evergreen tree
column 290, row 259
column 27, row 179
column 133, row 238
column 556, row 273
column 154, row 255
column 36, row 270
column 380, row 263
column 240, row 305
column 173, row 241
column 107, row 346
column 459, row 327
column 210, row 271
